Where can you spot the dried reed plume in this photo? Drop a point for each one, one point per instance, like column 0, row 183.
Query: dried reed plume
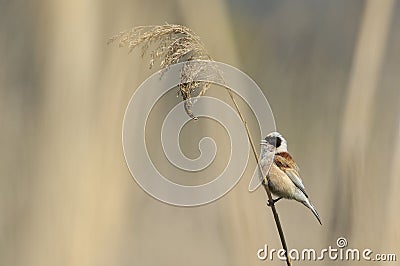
column 177, row 44
column 172, row 44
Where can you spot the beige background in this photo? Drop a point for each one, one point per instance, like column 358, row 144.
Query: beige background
column 330, row 70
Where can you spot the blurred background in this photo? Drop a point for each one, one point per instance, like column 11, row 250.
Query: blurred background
column 330, row 70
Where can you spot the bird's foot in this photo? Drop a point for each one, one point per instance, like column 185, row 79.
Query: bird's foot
column 273, row 201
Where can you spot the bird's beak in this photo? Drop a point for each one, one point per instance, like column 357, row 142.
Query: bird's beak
column 263, row 142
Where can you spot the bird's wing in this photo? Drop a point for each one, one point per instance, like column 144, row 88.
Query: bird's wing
column 286, row 163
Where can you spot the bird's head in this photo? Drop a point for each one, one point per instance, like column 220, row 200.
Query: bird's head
column 275, row 139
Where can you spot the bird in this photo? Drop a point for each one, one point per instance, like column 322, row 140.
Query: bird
column 284, row 179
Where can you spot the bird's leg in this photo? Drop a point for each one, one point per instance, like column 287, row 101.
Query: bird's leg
column 273, row 201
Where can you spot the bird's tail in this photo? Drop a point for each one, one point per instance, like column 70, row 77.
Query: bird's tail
column 308, row 204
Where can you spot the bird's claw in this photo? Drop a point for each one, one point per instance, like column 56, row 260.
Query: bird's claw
column 272, row 202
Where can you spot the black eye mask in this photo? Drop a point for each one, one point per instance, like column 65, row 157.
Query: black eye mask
column 276, row 142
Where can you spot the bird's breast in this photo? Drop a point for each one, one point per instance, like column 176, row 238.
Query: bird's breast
column 280, row 184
